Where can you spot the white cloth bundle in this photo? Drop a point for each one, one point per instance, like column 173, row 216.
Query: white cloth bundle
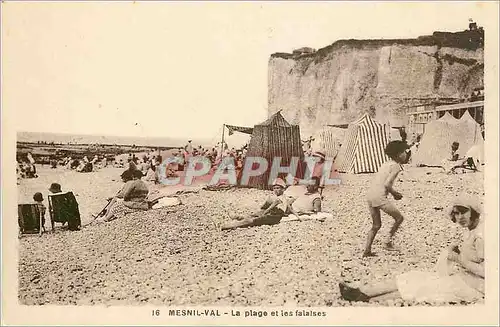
column 320, row 216
column 167, row 202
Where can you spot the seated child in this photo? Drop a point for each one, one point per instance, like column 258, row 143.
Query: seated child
column 271, row 211
column 38, row 198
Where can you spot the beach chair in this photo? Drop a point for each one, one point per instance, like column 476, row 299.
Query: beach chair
column 29, row 218
column 63, row 208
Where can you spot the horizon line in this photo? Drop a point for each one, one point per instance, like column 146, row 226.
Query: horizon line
column 110, row 135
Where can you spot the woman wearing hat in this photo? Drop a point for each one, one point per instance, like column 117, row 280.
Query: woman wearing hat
column 131, row 198
column 55, row 188
column 317, row 170
column 460, row 269
column 270, row 212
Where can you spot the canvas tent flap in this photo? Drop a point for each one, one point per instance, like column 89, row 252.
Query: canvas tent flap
column 363, row 147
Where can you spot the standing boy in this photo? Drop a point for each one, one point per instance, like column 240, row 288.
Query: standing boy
column 381, row 186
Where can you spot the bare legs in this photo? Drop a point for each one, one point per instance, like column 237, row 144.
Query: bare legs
column 376, row 224
column 253, row 220
column 109, row 214
column 380, row 289
column 379, row 292
column 392, row 211
column 245, row 222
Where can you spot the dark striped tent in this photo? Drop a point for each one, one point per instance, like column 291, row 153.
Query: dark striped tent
column 363, row 147
column 274, row 138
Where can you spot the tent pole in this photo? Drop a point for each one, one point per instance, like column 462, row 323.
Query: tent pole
column 222, row 143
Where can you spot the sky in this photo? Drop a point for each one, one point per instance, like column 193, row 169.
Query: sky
column 177, row 69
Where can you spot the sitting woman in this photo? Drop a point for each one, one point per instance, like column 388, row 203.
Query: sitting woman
column 271, row 211
column 306, row 205
column 131, row 198
column 463, row 283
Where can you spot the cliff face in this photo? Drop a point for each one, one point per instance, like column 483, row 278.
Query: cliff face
column 338, row 83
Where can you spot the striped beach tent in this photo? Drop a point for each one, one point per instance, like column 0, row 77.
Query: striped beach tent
column 274, row 138
column 363, row 147
column 439, row 135
column 328, row 140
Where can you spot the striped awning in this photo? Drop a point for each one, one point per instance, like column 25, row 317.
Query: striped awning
column 241, row 129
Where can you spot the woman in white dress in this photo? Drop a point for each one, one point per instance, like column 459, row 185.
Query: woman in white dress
column 459, row 276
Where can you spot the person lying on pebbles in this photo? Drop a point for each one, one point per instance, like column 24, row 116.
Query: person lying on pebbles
column 131, row 198
column 271, row 213
column 463, row 283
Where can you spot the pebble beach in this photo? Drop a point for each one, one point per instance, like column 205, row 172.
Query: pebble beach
column 177, row 256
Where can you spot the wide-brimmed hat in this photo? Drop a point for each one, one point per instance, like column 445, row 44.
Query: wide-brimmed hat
column 55, row 188
column 279, row 182
column 319, row 154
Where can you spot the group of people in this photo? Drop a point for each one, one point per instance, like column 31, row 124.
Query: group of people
column 84, row 165
column 301, row 202
column 214, row 155
column 460, row 271
column 25, row 167
column 65, row 211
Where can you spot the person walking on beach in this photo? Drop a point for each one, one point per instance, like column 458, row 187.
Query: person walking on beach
column 381, row 186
